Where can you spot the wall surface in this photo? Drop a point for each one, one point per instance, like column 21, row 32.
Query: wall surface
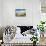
column 7, row 12
column 0, row 12
column 32, row 12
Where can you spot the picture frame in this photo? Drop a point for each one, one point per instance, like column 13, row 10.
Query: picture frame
column 20, row 12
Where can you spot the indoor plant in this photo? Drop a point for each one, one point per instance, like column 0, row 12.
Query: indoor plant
column 41, row 27
column 34, row 39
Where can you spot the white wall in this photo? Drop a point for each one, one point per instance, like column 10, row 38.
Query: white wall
column 0, row 12
column 32, row 12
column 36, row 12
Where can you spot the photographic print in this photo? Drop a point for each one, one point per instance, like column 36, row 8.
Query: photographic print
column 20, row 12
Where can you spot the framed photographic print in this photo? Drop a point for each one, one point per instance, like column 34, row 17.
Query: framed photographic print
column 20, row 12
